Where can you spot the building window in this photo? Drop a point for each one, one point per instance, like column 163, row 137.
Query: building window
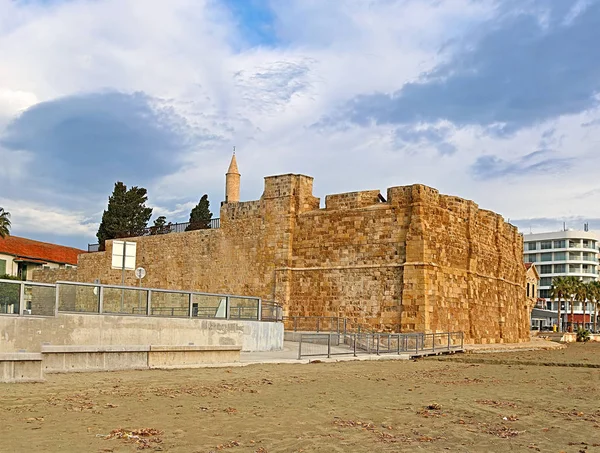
column 546, row 256
column 560, row 256
column 531, row 258
column 527, row 289
column 546, row 269
column 559, row 268
column 532, row 246
column 545, row 281
column 574, row 256
column 545, row 293
column 559, row 244
column 2, row 267
column 546, row 245
column 574, row 268
column 574, row 244
column 586, row 244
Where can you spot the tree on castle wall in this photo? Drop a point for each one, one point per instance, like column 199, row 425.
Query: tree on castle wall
column 126, row 214
column 200, row 216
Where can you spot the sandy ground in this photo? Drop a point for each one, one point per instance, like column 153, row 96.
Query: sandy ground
column 425, row 405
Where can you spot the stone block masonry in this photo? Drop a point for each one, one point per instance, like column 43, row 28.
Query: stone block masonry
column 415, row 260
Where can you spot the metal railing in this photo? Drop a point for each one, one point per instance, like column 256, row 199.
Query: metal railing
column 43, row 299
column 333, row 324
column 170, row 228
column 413, row 344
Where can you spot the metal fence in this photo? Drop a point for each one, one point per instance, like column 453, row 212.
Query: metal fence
column 42, row 299
column 333, row 324
column 414, row 344
column 169, row 228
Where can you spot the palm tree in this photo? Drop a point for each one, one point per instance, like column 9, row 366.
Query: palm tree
column 583, row 293
column 4, row 223
column 573, row 284
column 595, row 289
column 559, row 290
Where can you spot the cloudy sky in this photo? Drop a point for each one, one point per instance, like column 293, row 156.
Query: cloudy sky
column 495, row 101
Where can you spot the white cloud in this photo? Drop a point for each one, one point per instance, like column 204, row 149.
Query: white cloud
column 265, row 99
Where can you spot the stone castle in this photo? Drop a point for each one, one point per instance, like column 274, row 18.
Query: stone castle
column 414, row 260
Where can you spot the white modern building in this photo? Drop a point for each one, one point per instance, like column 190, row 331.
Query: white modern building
column 562, row 253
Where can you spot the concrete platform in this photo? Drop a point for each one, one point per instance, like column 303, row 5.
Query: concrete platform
column 21, row 367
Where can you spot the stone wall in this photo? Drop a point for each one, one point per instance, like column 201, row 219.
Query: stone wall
column 419, row 261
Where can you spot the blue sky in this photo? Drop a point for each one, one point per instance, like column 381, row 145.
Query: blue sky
column 495, row 101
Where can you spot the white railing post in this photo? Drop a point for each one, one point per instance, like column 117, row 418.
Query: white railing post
column 190, row 305
column 57, row 297
column 100, row 299
column 149, row 304
column 22, row 299
column 259, row 314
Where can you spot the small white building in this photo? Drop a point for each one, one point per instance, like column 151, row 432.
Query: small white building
column 559, row 254
column 19, row 257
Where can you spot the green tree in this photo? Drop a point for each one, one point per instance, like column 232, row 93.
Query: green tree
column 583, row 293
column 572, row 284
column 4, row 223
column 160, row 226
column 595, row 290
column 200, row 215
column 126, row 214
column 559, row 290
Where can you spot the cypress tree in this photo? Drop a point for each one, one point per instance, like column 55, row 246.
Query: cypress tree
column 200, row 215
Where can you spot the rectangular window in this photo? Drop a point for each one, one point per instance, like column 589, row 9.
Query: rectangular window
column 532, row 258
column 546, row 256
column 586, row 244
column 531, row 246
column 545, row 281
column 574, row 256
column 560, row 256
column 574, row 268
column 546, row 245
column 545, row 293
column 546, row 269
column 559, row 268
column 2, row 267
column 559, row 244
column 574, row 244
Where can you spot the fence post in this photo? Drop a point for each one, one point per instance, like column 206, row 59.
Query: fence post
column 433, row 342
column 462, row 340
column 338, row 325
column 329, row 345
column 149, row 304
column 448, row 341
column 227, row 308
column 100, row 299
column 378, row 341
column 300, row 348
column 318, row 324
column 21, row 298
column 398, row 344
column 56, row 296
column 354, row 344
column 295, row 323
column 417, row 343
column 259, row 314
column 345, row 325
column 190, row 305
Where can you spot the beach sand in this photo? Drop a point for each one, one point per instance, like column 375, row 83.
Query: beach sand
column 517, row 402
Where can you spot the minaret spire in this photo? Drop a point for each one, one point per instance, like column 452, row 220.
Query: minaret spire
column 232, row 181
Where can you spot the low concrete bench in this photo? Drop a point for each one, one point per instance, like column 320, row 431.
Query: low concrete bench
column 81, row 358
column 21, row 367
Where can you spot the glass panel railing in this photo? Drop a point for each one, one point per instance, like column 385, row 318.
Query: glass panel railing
column 164, row 303
column 78, row 298
column 10, row 294
column 39, row 300
column 209, row 306
column 131, row 301
column 243, row 308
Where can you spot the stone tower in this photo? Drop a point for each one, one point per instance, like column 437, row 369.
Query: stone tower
column 232, row 182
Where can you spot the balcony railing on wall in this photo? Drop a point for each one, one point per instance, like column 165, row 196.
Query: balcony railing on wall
column 42, row 299
column 170, row 228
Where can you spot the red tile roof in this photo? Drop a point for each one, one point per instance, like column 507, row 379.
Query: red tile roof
column 28, row 248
